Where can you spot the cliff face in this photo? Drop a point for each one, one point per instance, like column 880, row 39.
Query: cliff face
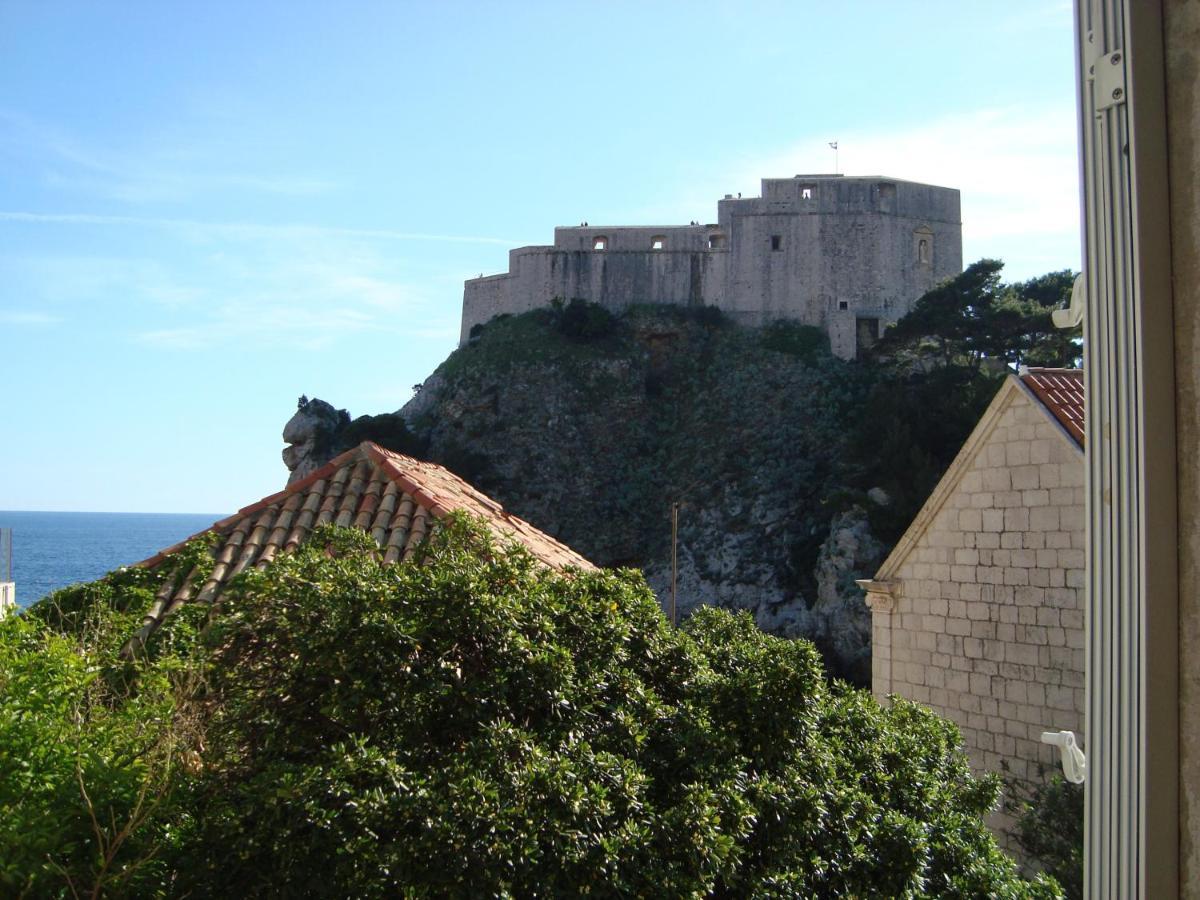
column 594, row 438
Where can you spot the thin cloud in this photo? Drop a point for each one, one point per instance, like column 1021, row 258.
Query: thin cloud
column 244, row 229
column 1016, row 168
column 29, row 318
column 265, row 325
column 64, row 163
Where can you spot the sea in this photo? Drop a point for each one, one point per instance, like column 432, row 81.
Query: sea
column 54, row 549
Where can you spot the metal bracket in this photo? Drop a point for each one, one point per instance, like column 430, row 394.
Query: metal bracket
column 1108, row 80
column 1074, row 763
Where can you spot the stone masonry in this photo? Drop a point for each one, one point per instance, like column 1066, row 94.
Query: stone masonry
column 979, row 611
column 847, row 254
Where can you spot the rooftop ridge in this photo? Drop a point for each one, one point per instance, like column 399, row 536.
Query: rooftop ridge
column 348, row 490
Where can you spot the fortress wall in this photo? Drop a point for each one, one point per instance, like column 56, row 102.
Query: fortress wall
column 633, row 237
column 613, row 278
column 840, row 241
column 804, row 248
column 484, row 298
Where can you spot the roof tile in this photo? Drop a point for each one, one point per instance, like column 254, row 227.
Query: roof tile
column 1061, row 392
column 393, row 496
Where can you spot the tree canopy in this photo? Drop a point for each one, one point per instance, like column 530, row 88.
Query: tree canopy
column 472, row 724
column 975, row 318
column 933, row 373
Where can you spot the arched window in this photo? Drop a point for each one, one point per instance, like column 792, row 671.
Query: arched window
column 658, row 242
column 599, row 242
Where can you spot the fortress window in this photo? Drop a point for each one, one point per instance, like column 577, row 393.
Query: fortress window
column 843, row 304
column 599, row 242
column 777, row 242
column 715, row 241
column 886, row 197
column 806, row 193
column 923, row 245
column 658, row 242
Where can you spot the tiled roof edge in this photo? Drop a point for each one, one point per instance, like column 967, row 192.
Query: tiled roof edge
column 229, row 521
column 1035, row 394
column 394, row 464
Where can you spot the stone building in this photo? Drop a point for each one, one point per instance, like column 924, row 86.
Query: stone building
column 847, row 254
column 979, row 610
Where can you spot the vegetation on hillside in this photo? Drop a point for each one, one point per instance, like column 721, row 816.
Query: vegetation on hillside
column 466, row 724
column 933, row 374
column 592, row 425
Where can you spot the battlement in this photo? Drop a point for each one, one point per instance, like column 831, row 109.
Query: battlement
column 848, row 254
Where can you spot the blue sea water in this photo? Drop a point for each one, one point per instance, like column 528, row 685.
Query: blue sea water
column 54, row 549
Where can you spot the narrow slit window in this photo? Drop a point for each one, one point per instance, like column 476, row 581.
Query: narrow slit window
column 777, row 242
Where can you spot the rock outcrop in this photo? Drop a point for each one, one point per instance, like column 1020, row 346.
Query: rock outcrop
column 594, row 440
column 311, row 435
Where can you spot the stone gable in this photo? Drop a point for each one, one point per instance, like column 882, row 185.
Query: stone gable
column 980, row 613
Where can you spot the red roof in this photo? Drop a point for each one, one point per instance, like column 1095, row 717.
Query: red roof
column 1061, row 392
column 393, row 497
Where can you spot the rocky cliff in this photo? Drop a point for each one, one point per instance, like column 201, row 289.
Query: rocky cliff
column 593, row 428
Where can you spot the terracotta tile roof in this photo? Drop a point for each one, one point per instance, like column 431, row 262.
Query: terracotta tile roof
column 394, row 497
column 1061, row 392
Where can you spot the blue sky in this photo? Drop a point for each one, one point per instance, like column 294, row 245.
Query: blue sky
column 210, row 208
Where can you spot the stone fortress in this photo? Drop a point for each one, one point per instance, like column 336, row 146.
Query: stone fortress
column 847, row 254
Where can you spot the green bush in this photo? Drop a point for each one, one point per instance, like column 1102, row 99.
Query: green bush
column 808, row 342
column 583, row 321
column 1050, row 829
column 465, row 724
column 91, row 745
column 472, row 725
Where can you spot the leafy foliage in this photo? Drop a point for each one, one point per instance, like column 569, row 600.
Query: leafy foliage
column 471, row 724
column 386, row 429
column 1050, row 828
column 908, row 430
column 583, row 321
column 464, row 724
column 934, row 373
column 975, row 318
column 808, row 342
column 93, row 744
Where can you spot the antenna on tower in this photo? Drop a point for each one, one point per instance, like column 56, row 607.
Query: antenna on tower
column 836, row 170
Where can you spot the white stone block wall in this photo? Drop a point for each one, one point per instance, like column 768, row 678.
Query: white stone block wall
column 987, row 621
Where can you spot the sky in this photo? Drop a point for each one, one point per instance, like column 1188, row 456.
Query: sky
column 209, row 208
